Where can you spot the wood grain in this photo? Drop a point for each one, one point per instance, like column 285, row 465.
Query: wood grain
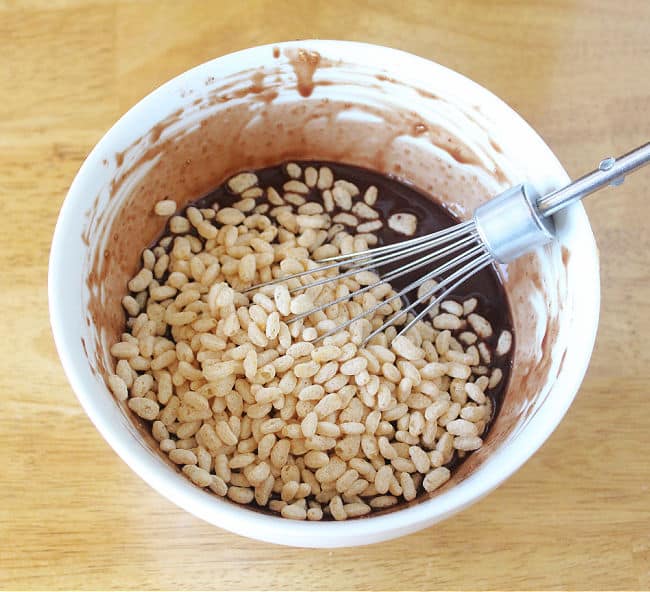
column 74, row 516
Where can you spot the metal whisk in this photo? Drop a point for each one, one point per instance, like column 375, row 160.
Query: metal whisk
column 509, row 225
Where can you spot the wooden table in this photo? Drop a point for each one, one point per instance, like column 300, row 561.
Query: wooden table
column 73, row 515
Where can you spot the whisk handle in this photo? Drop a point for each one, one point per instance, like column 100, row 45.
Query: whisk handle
column 610, row 171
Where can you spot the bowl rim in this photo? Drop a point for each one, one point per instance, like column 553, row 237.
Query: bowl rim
column 242, row 520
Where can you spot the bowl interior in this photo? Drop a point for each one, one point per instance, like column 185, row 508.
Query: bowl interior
column 351, row 103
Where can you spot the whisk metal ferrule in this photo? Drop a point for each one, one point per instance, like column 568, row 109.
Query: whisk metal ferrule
column 510, row 224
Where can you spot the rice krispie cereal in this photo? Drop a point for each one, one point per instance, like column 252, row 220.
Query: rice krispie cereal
column 263, row 410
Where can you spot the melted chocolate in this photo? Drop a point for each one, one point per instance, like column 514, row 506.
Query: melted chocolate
column 394, row 197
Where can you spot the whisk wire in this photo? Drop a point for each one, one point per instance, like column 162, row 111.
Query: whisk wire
column 358, row 266
column 459, row 249
column 418, row 263
column 463, row 273
column 468, row 271
column 386, row 259
column 432, row 240
column 431, row 275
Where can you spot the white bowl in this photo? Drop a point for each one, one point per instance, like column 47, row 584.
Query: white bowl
column 366, row 105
